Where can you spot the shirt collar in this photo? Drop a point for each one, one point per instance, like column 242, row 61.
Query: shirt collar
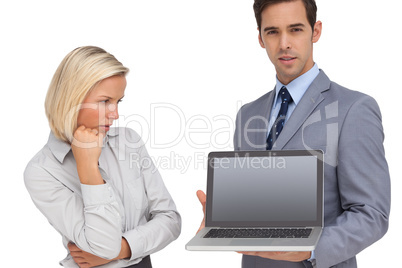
column 58, row 147
column 61, row 148
column 299, row 86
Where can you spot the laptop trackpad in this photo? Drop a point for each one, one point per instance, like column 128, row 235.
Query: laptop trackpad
column 254, row 242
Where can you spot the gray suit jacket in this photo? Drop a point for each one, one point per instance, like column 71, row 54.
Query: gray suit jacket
column 347, row 126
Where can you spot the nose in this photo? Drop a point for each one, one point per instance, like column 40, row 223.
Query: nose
column 112, row 111
column 285, row 43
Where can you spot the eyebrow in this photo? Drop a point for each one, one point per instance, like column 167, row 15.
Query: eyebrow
column 266, row 29
column 108, row 97
column 296, row 25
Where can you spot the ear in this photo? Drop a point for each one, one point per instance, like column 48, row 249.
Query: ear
column 260, row 39
column 317, row 31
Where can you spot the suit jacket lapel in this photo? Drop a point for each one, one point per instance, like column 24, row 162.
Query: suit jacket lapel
column 303, row 110
column 261, row 131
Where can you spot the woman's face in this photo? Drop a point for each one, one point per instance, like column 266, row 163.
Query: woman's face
column 99, row 108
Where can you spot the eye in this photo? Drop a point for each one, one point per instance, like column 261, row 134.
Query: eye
column 272, row 32
column 297, row 30
column 119, row 100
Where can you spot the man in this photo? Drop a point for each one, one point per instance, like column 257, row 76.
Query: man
column 317, row 114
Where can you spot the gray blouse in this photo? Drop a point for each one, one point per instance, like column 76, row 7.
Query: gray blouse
column 133, row 203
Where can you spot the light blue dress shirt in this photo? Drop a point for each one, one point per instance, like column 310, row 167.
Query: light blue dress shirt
column 296, row 88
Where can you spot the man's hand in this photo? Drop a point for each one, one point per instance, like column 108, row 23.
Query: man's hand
column 85, row 259
column 87, row 148
column 280, row 256
column 203, row 200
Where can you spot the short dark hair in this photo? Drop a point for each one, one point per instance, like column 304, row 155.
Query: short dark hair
column 310, row 5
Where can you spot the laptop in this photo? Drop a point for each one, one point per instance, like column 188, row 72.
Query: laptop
column 263, row 201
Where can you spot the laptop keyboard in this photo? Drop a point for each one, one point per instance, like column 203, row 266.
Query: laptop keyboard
column 259, row 233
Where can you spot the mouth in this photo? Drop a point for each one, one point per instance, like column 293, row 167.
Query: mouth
column 287, row 59
column 106, row 127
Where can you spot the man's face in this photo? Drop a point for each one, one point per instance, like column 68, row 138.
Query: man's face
column 288, row 39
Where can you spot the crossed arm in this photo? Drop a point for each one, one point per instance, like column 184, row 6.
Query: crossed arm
column 87, row 260
column 87, row 158
column 164, row 221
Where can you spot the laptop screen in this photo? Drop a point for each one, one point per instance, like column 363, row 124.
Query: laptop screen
column 265, row 188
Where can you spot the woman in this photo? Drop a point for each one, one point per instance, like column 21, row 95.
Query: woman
column 95, row 184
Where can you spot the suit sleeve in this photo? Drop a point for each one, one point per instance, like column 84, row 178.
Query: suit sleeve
column 364, row 186
column 237, row 135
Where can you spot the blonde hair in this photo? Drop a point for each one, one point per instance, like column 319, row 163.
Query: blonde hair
column 79, row 72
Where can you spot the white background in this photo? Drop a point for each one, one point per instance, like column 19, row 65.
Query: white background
column 203, row 59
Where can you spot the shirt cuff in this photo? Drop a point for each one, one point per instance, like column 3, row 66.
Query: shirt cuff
column 136, row 242
column 312, row 258
column 93, row 195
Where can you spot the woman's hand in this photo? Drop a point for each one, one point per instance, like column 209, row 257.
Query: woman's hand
column 86, row 260
column 87, row 147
